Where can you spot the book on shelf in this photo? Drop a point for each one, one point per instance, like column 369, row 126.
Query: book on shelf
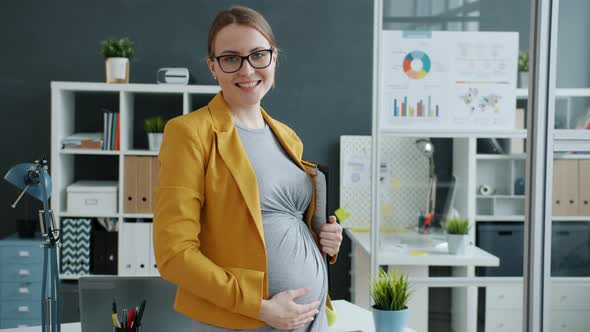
column 83, row 141
column 111, row 128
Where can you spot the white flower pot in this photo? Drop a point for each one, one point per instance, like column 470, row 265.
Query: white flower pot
column 117, row 70
column 154, row 141
column 458, row 244
column 523, row 80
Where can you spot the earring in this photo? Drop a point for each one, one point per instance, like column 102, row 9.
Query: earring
column 214, row 77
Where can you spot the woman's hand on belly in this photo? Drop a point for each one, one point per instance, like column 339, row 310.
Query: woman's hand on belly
column 281, row 311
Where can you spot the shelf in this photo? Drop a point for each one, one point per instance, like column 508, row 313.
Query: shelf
column 570, row 218
column 88, row 215
column 486, row 218
column 560, row 93
column 522, row 93
column 571, row 140
column 135, row 87
column 520, row 156
column 90, row 152
column 501, row 196
column 141, row 153
column 139, row 215
column 453, row 133
column 571, row 156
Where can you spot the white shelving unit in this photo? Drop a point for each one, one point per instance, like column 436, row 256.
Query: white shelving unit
column 63, row 115
column 504, row 300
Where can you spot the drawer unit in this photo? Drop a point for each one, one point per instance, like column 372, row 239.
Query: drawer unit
column 21, row 272
column 569, row 320
column 21, row 310
column 21, row 268
column 563, row 296
column 503, row 320
column 20, row 291
column 504, row 297
column 13, row 324
column 22, row 254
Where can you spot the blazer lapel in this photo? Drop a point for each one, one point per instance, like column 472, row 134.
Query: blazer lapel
column 233, row 154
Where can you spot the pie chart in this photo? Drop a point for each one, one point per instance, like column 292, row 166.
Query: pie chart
column 416, row 65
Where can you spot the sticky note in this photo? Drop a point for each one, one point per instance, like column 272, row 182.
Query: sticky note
column 394, row 183
column 341, row 214
column 418, row 253
column 386, row 209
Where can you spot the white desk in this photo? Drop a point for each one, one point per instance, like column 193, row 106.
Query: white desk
column 351, row 318
column 413, row 254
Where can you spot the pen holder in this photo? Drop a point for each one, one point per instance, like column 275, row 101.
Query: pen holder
column 122, row 329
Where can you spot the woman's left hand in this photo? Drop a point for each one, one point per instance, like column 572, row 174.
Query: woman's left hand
column 331, row 236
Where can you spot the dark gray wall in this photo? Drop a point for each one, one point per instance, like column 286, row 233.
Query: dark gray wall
column 323, row 87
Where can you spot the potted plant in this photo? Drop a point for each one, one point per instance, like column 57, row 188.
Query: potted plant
column 118, row 53
column 523, row 70
column 154, row 127
column 391, row 293
column 457, row 235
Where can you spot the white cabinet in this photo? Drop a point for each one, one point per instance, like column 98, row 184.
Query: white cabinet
column 71, row 114
column 569, row 308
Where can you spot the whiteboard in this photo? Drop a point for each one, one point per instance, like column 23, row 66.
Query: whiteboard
column 445, row 80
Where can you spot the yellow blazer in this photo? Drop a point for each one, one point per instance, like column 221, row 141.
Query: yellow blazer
column 208, row 236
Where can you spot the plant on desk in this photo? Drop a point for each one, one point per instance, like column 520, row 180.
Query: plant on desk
column 391, row 293
column 154, row 127
column 457, row 235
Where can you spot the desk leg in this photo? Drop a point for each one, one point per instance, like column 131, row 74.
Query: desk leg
column 359, row 278
column 464, row 301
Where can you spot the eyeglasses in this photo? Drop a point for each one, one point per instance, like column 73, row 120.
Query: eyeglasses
column 231, row 63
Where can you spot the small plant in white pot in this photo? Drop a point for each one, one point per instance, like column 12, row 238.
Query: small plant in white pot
column 391, row 293
column 118, row 53
column 523, row 70
column 458, row 235
column 154, row 127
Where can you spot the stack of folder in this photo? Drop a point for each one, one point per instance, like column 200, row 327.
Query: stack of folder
column 83, row 141
column 571, row 194
column 111, row 131
column 141, row 174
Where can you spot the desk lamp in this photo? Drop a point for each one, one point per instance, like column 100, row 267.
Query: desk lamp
column 34, row 180
column 426, row 147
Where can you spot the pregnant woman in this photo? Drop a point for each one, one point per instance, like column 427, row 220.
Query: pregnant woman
column 235, row 201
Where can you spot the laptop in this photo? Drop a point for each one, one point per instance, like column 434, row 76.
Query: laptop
column 96, row 295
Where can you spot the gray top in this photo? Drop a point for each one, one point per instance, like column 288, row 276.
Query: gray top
column 293, row 258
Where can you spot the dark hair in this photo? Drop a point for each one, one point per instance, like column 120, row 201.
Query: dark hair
column 244, row 16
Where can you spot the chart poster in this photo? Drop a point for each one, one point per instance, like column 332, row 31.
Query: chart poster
column 446, row 80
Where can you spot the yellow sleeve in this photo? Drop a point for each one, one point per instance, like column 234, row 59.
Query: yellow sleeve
column 179, row 197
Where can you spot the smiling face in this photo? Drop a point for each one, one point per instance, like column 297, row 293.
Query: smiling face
column 246, row 87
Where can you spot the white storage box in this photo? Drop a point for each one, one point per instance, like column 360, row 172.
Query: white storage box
column 92, row 197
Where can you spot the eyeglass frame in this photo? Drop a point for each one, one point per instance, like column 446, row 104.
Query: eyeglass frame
column 243, row 57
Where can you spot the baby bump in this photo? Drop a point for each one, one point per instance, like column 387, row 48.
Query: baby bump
column 293, row 258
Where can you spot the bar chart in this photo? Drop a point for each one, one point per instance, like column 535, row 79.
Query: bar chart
column 417, row 108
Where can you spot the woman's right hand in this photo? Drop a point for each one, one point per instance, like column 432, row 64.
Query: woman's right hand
column 282, row 313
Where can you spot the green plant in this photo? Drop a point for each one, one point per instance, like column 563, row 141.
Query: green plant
column 458, row 225
column 117, row 48
column 390, row 291
column 523, row 61
column 154, row 124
